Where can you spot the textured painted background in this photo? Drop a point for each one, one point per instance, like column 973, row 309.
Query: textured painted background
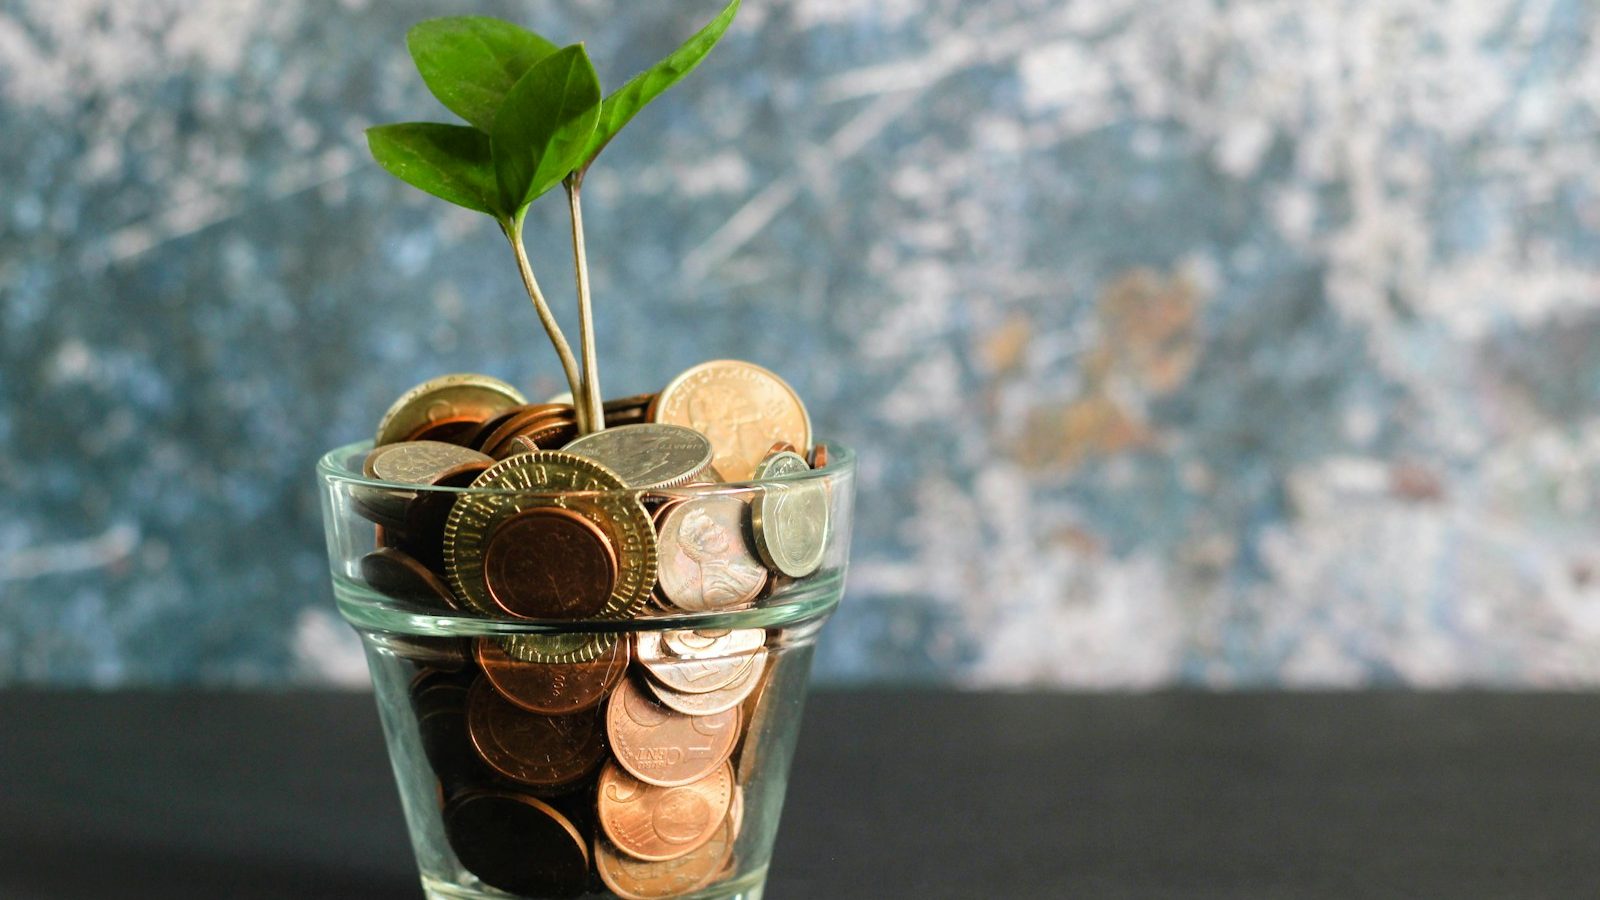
column 1221, row 343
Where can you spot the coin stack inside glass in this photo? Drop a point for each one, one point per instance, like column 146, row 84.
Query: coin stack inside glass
column 608, row 760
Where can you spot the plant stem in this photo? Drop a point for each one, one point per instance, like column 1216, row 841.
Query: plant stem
column 590, row 381
column 513, row 231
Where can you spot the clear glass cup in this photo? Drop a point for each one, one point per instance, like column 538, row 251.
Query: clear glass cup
column 522, row 777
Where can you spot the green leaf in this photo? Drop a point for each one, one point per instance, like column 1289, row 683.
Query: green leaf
column 542, row 129
column 619, row 108
column 448, row 161
column 471, row 62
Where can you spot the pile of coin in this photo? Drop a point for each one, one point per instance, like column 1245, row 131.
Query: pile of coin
column 572, row 760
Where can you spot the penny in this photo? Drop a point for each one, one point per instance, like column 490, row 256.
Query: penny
column 656, row 823
column 440, row 702
column 790, row 520
column 634, row 879
column 395, row 573
column 723, row 699
column 449, row 397
column 647, row 456
column 554, row 689
column 551, row 479
column 518, row 844
column 741, row 407
column 782, row 447
column 717, row 666
column 549, row 562
column 532, row 749
column 819, row 456
column 447, row 431
column 423, row 462
column 490, row 426
column 537, row 422
column 705, row 562
column 661, row 746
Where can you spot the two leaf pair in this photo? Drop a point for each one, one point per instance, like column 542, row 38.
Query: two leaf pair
column 534, row 110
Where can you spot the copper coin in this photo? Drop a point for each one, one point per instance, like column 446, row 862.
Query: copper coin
column 518, row 844
column 394, row 573
column 555, row 689
column 482, row 432
column 741, row 407
column 447, row 431
column 549, row 562
column 720, row 700
column 716, row 663
column 655, row 823
column 440, row 702
column 533, row 421
column 551, row 433
column 664, row 747
column 819, row 456
column 705, row 562
column 627, row 410
column 782, row 447
column 448, row 398
column 529, row 748
column 634, row 879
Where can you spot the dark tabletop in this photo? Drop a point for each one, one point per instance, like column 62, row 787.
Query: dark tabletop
column 894, row 795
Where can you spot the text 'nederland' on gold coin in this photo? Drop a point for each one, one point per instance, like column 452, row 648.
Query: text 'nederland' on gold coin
column 664, row 747
column 705, row 560
column 655, row 823
column 743, row 408
column 554, row 689
column 650, row 456
column 551, row 478
column 790, row 519
column 460, row 397
column 636, row 879
column 530, row 748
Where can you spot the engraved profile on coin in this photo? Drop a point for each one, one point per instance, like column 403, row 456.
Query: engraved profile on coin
column 705, row 563
column 790, row 520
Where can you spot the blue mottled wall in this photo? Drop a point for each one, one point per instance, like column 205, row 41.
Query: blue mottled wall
column 1222, row 343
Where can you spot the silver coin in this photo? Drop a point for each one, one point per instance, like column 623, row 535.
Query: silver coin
column 648, row 456
column 708, row 642
column 790, row 520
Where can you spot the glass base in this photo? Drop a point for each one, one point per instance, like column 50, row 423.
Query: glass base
column 751, row 886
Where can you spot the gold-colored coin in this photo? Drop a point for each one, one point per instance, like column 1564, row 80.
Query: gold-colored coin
column 743, row 408
column 459, row 397
column 551, row 478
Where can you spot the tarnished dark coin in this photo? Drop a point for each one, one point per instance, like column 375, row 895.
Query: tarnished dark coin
column 627, row 410
column 648, row 456
column 549, row 562
column 545, row 424
column 448, row 398
column 726, row 697
column 394, row 573
column 790, row 519
column 555, row 689
column 636, row 879
column 655, row 823
column 551, row 479
column 529, row 748
column 518, row 844
column 661, row 746
column 705, row 562
column 440, row 702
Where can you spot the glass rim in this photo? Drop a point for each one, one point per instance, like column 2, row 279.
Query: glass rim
column 331, row 468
